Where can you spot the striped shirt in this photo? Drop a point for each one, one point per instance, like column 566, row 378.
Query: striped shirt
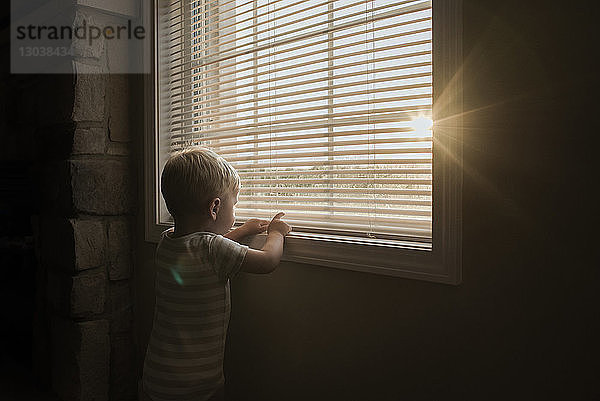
column 184, row 359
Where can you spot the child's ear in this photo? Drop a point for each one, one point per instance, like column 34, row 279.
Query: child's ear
column 215, row 206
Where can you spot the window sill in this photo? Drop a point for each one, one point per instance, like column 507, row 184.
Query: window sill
column 410, row 260
column 405, row 260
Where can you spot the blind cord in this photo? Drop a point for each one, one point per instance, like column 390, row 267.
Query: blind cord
column 370, row 159
column 272, row 183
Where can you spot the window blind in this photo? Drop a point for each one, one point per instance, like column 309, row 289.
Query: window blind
column 323, row 106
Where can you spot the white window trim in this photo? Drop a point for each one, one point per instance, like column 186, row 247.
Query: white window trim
column 443, row 262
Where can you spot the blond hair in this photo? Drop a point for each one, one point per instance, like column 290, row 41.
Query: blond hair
column 193, row 177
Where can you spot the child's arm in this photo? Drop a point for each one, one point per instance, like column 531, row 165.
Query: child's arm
column 267, row 259
column 251, row 227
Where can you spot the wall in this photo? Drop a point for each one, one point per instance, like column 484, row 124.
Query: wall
column 524, row 322
column 69, row 135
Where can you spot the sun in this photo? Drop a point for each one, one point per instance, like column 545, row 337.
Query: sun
column 421, row 124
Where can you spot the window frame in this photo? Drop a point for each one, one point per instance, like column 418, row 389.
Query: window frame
column 442, row 263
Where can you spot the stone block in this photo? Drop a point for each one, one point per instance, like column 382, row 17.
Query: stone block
column 80, row 359
column 121, row 321
column 80, row 296
column 89, row 141
column 88, row 293
column 119, row 296
column 119, row 249
column 123, row 385
column 120, row 306
column 128, row 8
column 101, row 187
column 73, row 245
column 119, row 110
column 84, row 48
column 118, row 149
column 89, row 243
column 90, row 92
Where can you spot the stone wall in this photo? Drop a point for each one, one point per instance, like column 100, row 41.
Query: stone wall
column 79, row 125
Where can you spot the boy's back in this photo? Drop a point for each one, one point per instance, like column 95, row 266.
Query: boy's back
column 195, row 260
column 184, row 360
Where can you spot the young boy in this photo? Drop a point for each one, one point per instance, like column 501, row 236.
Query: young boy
column 194, row 261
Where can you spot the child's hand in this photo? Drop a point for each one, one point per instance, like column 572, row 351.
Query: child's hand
column 254, row 226
column 278, row 225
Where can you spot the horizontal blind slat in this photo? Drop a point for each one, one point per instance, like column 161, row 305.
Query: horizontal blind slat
column 335, row 200
column 304, row 190
column 321, row 217
column 226, row 70
column 295, row 110
column 327, row 97
column 278, row 173
column 207, row 61
column 252, row 139
column 340, row 209
column 336, row 144
column 337, row 122
column 276, row 122
column 256, row 47
column 300, row 223
column 296, row 155
column 229, row 67
column 262, row 63
column 289, row 119
column 244, row 165
column 304, row 73
column 275, row 87
column 364, row 182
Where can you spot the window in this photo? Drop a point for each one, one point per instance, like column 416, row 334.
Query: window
column 345, row 114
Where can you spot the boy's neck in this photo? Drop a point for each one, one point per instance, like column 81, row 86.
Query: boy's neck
column 189, row 225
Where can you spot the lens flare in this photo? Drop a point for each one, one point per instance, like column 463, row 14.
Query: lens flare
column 177, row 276
column 421, row 124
